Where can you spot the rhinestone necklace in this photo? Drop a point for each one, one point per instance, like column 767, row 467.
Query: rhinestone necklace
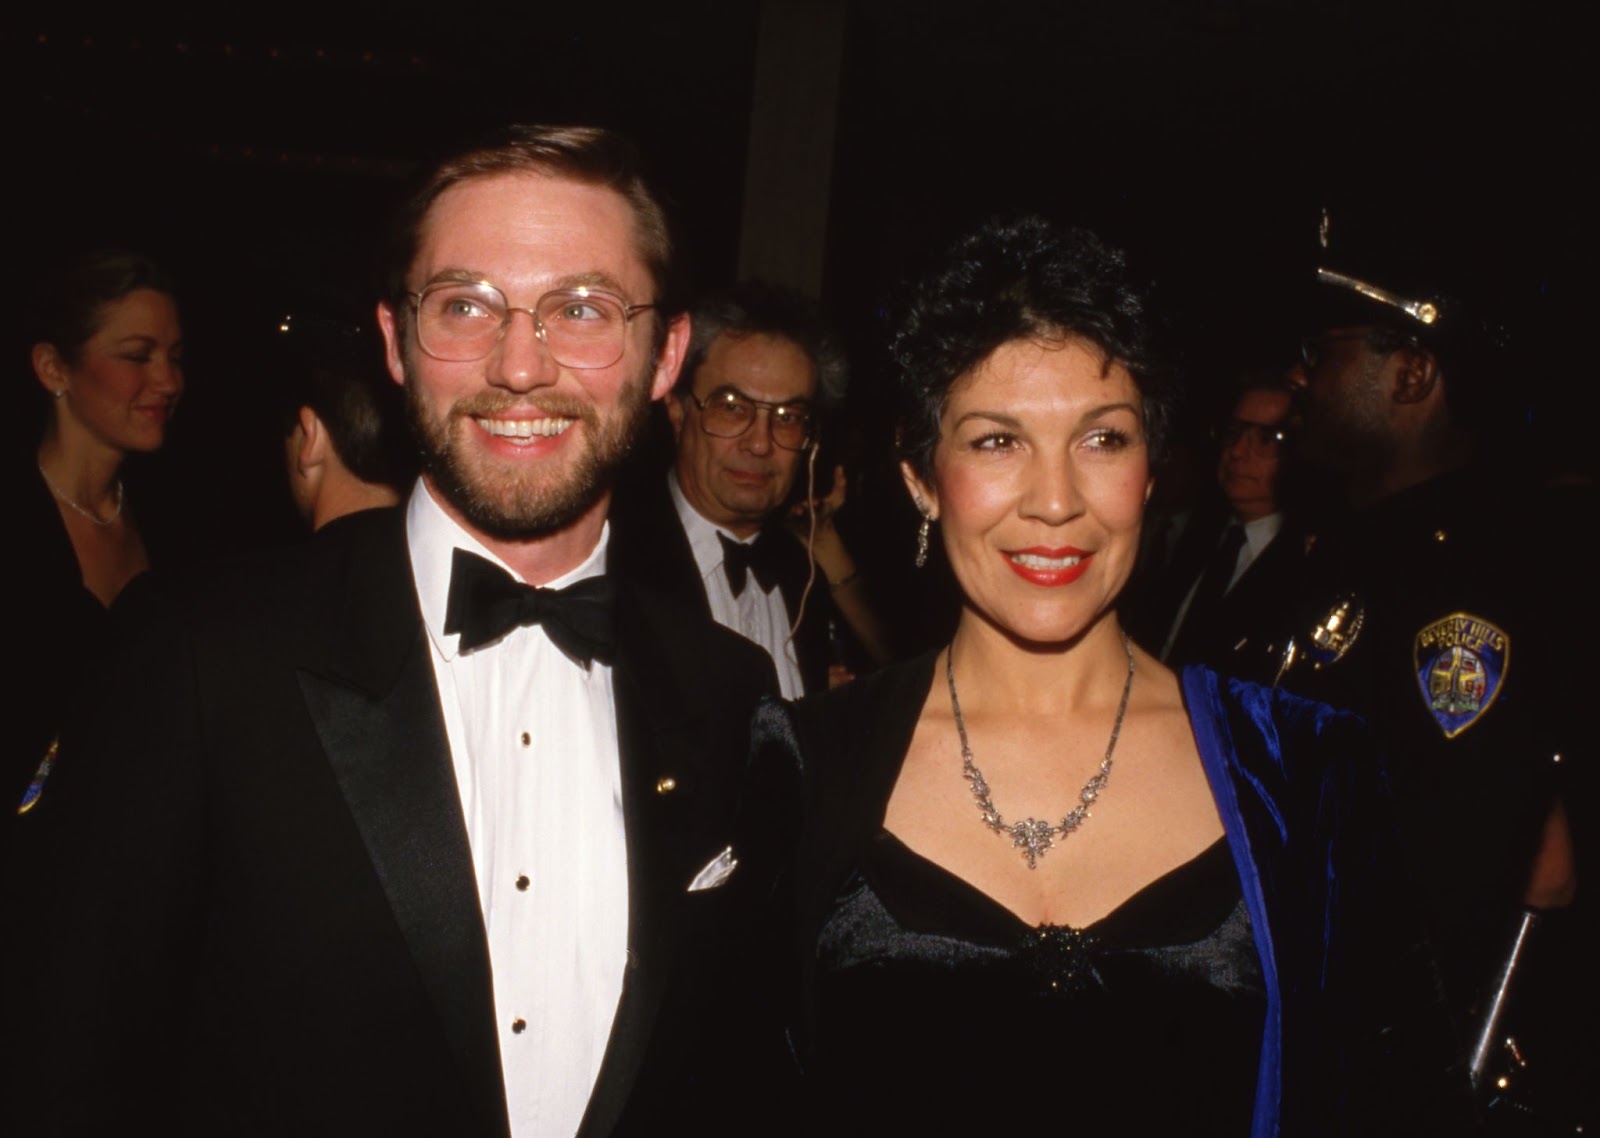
column 116, row 511
column 1032, row 836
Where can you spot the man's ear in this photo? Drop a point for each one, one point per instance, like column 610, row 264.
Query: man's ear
column 393, row 350
column 313, row 450
column 1417, row 374
column 674, row 346
column 922, row 495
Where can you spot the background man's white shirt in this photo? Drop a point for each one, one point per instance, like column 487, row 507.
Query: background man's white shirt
column 755, row 614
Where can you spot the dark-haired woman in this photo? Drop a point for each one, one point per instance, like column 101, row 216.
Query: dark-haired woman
column 108, row 352
column 1043, row 883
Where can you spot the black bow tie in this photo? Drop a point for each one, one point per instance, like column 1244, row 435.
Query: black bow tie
column 486, row 602
column 760, row 557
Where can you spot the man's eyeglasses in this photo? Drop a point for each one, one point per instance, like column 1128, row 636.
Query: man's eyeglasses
column 460, row 321
column 1261, row 435
column 728, row 412
column 1381, row 340
column 1312, row 348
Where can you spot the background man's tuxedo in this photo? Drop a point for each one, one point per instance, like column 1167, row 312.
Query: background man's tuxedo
column 260, row 911
column 1240, row 632
column 648, row 545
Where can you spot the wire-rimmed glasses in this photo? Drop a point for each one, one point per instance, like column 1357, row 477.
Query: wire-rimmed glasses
column 728, row 413
column 1261, row 435
column 583, row 327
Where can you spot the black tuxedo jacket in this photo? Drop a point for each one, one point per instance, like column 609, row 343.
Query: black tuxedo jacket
column 649, row 545
column 248, row 902
column 1238, row 636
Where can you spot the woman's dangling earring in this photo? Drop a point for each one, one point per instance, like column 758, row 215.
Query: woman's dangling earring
column 922, row 541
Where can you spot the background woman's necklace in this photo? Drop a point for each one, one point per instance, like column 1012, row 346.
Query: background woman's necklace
column 116, row 511
column 1033, row 837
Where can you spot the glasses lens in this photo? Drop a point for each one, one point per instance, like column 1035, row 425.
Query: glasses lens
column 1313, row 348
column 460, row 320
column 726, row 414
column 1260, row 435
column 791, row 426
column 583, row 328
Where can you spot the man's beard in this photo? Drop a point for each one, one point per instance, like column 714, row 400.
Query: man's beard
column 512, row 505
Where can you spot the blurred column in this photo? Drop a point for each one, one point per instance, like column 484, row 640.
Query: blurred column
column 789, row 167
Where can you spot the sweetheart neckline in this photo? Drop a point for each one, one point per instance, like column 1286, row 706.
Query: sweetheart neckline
column 1199, row 867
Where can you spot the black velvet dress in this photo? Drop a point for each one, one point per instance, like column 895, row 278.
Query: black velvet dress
column 940, row 1011
column 1276, row 985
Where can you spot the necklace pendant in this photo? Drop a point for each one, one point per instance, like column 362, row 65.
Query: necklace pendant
column 1034, row 838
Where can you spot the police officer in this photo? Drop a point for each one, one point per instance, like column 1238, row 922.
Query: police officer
column 1444, row 607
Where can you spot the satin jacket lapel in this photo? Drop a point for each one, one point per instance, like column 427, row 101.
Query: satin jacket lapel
column 865, row 729
column 659, row 718
column 1254, row 826
column 375, row 705
column 648, row 544
column 883, row 736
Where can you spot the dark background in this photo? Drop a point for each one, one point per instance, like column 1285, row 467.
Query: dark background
column 257, row 152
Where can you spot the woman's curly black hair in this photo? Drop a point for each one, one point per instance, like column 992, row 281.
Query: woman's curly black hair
column 1021, row 278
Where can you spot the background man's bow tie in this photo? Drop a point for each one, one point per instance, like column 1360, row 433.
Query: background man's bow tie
column 760, row 557
column 486, row 602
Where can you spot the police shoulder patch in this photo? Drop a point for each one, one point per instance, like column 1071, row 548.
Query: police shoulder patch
column 1461, row 663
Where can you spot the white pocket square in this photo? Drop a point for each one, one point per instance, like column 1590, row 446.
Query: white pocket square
column 717, row 870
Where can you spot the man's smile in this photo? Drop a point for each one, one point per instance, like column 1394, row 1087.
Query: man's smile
column 524, row 429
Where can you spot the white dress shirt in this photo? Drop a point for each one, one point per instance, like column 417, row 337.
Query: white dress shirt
column 1258, row 535
column 756, row 614
column 533, row 739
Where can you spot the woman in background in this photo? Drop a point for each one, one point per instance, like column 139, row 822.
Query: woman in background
column 1042, row 881
column 108, row 352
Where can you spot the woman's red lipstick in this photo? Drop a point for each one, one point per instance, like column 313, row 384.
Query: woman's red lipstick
column 1048, row 567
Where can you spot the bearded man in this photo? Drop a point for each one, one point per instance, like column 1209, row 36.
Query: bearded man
column 425, row 828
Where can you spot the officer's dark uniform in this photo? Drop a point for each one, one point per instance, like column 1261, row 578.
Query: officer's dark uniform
column 1462, row 637
column 1464, row 666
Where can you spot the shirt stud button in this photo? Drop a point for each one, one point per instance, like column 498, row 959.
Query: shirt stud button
column 522, row 883
column 518, row 1026
column 666, row 784
column 526, row 739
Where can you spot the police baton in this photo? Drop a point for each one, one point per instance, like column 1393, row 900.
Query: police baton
column 1495, row 1016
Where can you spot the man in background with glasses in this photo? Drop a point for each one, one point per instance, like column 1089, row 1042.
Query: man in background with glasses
column 425, row 828
column 760, row 369
column 1232, row 577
